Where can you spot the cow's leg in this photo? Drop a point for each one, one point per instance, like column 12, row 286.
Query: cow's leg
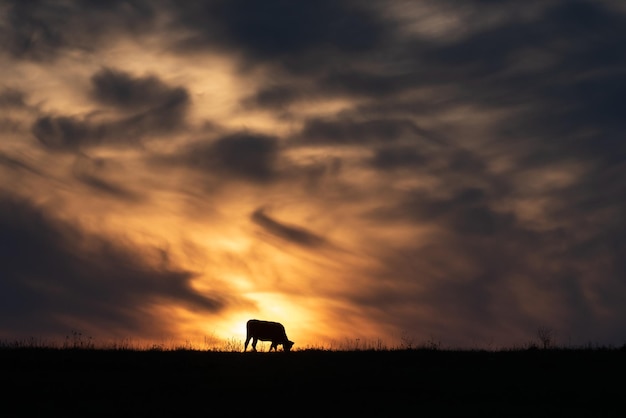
column 274, row 345
column 254, row 341
column 245, row 346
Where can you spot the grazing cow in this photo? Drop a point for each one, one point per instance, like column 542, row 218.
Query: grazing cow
column 267, row 331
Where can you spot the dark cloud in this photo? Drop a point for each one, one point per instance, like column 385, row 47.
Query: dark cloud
column 94, row 173
column 290, row 233
column 363, row 83
column 240, row 156
column 13, row 104
column 39, row 30
column 18, row 164
column 149, row 107
column 347, row 131
column 27, row 33
column 566, row 110
column 572, row 86
column 279, row 97
column 516, row 61
column 561, row 85
column 486, row 273
column 107, row 187
column 466, row 212
column 119, row 88
column 53, row 275
column 10, row 125
column 279, row 29
column 67, row 133
column 276, row 97
column 164, row 117
column 390, row 158
column 12, row 98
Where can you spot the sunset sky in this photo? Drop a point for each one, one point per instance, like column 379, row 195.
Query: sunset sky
column 403, row 171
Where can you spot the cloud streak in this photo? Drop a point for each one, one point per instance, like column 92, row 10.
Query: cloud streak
column 57, row 277
column 289, row 233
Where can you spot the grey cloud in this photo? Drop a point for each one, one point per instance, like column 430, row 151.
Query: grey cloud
column 39, row 29
column 12, row 98
column 10, row 125
column 566, row 109
column 14, row 105
column 290, row 233
column 389, row 158
column 481, row 220
column 569, row 111
column 95, row 174
column 119, row 88
column 320, row 83
column 244, row 156
column 499, row 65
column 149, row 107
column 66, row 133
column 165, row 116
column 504, row 286
column 53, row 274
column 359, row 82
column 465, row 212
column 347, row 131
column 18, row 164
column 280, row 29
column 276, row 97
column 109, row 188
column 28, row 34
column 580, row 40
column 486, row 275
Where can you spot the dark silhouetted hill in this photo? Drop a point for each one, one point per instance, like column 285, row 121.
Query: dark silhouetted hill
column 525, row 383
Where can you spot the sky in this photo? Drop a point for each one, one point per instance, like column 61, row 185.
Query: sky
column 449, row 171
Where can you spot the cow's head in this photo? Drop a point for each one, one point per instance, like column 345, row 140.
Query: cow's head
column 287, row 345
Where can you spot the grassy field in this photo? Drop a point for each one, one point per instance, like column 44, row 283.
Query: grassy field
column 40, row 382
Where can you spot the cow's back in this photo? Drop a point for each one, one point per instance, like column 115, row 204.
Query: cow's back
column 266, row 330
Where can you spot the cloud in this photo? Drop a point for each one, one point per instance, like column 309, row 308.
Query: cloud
column 279, row 29
column 40, row 30
column 251, row 157
column 55, row 275
column 290, row 233
column 67, row 133
column 12, row 98
column 96, row 173
column 344, row 131
column 119, row 88
column 17, row 164
column 276, row 97
column 149, row 107
column 15, row 109
column 389, row 158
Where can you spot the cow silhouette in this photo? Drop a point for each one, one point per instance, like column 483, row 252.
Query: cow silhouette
column 267, row 331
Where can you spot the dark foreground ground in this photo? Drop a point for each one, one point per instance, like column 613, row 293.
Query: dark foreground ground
column 100, row 383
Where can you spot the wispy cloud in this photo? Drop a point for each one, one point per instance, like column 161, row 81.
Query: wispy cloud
column 290, row 233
